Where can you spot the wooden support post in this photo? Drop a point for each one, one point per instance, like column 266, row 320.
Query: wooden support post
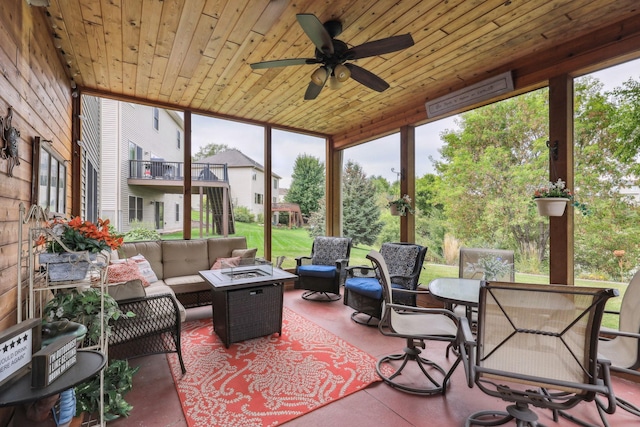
column 408, row 180
column 333, row 192
column 561, row 130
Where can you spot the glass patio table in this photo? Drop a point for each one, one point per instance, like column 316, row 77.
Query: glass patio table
column 454, row 290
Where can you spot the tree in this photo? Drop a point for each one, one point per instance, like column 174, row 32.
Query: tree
column 486, row 169
column 361, row 213
column 307, row 183
column 489, row 166
column 209, row 150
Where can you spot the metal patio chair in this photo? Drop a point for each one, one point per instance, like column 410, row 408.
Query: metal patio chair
column 536, row 345
column 416, row 325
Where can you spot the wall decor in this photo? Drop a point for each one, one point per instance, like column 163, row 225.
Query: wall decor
column 10, row 136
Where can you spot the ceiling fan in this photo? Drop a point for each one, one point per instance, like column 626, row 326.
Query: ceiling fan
column 333, row 54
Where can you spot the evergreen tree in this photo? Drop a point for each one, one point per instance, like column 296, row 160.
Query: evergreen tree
column 307, row 183
column 361, row 213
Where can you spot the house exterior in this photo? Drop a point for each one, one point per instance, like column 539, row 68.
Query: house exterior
column 246, row 179
column 153, row 136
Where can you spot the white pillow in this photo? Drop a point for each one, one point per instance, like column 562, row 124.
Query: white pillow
column 145, row 268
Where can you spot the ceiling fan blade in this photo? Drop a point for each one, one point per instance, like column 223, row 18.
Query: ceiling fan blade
column 283, row 63
column 313, row 90
column 367, row 78
column 316, row 32
column 380, row 47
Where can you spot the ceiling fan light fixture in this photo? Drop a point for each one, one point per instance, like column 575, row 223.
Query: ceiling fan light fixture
column 342, row 73
column 334, row 82
column 319, row 76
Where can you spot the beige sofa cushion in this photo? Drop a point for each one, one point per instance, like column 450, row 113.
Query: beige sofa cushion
column 221, row 247
column 186, row 284
column 184, row 257
column 152, row 252
column 126, row 290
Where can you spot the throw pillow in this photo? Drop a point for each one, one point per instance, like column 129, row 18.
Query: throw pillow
column 124, row 271
column 145, row 268
column 244, row 253
column 127, row 290
column 229, row 262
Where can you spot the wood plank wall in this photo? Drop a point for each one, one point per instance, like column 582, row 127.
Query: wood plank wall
column 34, row 83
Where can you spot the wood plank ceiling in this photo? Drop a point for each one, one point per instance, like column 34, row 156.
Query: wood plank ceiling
column 195, row 54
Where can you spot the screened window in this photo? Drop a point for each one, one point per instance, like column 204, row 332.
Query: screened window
column 258, row 198
column 156, row 118
column 178, row 138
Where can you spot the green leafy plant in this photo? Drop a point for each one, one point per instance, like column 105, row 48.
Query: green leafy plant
column 403, row 205
column 118, row 381
column 84, row 307
column 141, row 231
column 493, row 267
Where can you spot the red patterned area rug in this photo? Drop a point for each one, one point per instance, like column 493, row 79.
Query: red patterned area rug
column 269, row 380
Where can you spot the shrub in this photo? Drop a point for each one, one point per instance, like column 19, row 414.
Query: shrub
column 243, row 214
column 141, row 231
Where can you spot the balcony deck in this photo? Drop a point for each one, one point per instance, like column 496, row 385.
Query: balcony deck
column 168, row 177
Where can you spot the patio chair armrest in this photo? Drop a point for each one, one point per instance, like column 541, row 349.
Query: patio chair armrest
column 466, row 346
column 424, row 310
column 360, row 271
column 615, row 333
column 342, row 263
column 302, row 260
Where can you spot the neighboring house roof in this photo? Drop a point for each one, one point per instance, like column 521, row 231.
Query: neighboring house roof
column 235, row 158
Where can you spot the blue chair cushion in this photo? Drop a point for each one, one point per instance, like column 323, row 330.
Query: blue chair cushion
column 366, row 286
column 327, row 271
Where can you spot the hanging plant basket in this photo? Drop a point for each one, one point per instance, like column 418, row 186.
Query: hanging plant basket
column 551, row 206
column 394, row 210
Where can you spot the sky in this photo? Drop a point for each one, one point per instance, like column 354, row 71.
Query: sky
column 375, row 157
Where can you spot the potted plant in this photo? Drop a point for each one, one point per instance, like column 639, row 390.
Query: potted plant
column 85, row 307
column 552, row 198
column 401, row 206
column 72, row 244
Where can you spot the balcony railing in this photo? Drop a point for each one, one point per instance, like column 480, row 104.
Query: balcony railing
column 174, row 171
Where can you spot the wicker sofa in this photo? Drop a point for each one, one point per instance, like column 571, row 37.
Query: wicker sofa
column 160, row 307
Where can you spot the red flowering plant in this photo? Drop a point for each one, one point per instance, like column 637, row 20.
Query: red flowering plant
column 78, row 235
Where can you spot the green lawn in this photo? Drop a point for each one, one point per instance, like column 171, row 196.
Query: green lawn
column 297, row 242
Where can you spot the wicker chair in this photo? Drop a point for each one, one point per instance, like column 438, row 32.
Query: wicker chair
column 154, row 329
column 323, row 272
column 416, row 325
column 622, row 346
column 536, row 345
column 362, row 289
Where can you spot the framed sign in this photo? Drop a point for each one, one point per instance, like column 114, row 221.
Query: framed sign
column 17, row 345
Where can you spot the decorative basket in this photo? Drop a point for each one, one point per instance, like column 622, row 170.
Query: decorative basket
column 66, row 266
